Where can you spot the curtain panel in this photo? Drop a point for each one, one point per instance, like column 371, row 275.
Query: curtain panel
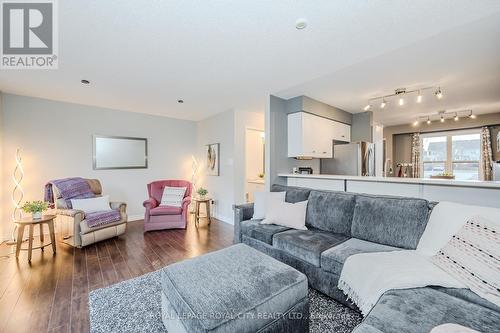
column 415, row 155
column 486, row 154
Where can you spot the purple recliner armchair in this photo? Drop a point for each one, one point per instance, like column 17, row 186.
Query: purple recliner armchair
column 158, row 217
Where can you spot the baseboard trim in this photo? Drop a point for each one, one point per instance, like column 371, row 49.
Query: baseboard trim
column 136, row 217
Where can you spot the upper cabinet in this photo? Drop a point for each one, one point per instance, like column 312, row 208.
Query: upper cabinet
column 312, row 136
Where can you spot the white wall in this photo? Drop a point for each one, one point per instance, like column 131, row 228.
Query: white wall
column 227, row 128
column 56, row 142
column 218, row 129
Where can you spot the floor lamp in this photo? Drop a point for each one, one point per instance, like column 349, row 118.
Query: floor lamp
column 194, row 171
column 17, row 194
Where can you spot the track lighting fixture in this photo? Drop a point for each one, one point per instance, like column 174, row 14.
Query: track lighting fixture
column 443, row 115
column 400, row 93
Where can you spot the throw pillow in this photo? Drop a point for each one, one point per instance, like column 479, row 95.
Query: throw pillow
column 91, row 205
column 472, row 257
column 292, row 215
column 261, row 200
column 173, row 196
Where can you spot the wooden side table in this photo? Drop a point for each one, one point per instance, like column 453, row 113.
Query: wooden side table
column 197, row 202
column 31, row 223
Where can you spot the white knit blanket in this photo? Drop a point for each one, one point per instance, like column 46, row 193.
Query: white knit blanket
column 366, row 277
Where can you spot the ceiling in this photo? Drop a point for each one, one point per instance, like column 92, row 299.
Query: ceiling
column 464, row 61
column 143, row 56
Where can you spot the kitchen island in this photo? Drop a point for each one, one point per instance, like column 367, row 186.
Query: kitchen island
column 472, row 192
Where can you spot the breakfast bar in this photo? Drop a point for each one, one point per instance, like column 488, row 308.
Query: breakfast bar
column 483, row 193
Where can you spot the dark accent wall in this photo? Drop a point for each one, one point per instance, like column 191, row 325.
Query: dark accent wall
column 362, row 127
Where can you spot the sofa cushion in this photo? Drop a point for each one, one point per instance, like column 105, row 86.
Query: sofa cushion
column 160, row 210
column 469, row 296
column 262, row 232
column 393, row 221
column 228, row 290
column 421, row 309
column 331, row 211
column 293, row 194
column 307, row 244
column 332, row 260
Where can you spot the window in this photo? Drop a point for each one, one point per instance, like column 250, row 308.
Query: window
column 456, row 153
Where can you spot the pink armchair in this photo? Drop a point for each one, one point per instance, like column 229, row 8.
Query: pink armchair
column 158, row 217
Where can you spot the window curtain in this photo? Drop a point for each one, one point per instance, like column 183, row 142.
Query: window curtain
column 486, row 154
column 415, row 155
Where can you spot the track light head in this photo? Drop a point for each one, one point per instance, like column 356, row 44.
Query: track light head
column 472, row 116
column 367, row 107
column 416, row 122
column 428, row 121
column 456, row 117
column 442, row 119
column 401, row 101
column 419, row 97
column 439, row 93
column 383, row 104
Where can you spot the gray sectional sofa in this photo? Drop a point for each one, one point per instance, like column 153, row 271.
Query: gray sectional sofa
column 342, row 224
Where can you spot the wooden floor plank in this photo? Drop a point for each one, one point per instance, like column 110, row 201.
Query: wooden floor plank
column 51, row 293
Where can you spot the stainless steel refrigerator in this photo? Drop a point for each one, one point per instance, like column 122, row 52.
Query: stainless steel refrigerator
column 496, row 171
column 352, row 159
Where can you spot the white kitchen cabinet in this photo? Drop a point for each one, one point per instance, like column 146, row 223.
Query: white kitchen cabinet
column 341, row 132
column 311, row 136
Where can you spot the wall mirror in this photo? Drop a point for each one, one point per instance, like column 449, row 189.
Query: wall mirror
column 118, row 152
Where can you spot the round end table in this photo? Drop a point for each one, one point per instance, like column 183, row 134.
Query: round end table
column 197, row 202
column 31, row 223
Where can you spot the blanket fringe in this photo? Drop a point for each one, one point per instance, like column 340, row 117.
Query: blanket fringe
column 354, row 297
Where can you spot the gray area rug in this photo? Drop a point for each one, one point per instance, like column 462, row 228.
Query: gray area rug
column 135, row 305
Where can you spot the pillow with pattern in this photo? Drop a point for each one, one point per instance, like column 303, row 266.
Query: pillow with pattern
column 173, row 196
column 472, row 256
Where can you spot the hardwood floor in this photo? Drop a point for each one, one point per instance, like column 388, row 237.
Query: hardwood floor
column 51, row 293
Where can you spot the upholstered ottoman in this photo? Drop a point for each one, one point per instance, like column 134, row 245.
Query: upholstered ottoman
column 237, row 289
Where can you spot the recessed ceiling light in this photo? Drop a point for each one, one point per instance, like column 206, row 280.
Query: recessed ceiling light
column 180, row 101
column 85, row 81
column 301, row 24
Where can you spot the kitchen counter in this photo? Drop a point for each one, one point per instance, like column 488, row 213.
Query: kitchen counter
column 481, row 193
column 442, row 182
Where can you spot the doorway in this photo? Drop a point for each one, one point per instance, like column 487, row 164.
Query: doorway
column 255, row 146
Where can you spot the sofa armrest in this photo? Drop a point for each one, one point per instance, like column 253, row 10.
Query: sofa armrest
column 121, row 207
column 150, row 203
column 185, row 202
column 75, row 213
column 241, row 213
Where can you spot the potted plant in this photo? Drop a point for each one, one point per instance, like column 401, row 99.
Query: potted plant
column 36, row 208
column 202, row 192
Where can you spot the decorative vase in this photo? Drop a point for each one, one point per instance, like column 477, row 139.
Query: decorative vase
column 36, row 215
column 202, row 197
